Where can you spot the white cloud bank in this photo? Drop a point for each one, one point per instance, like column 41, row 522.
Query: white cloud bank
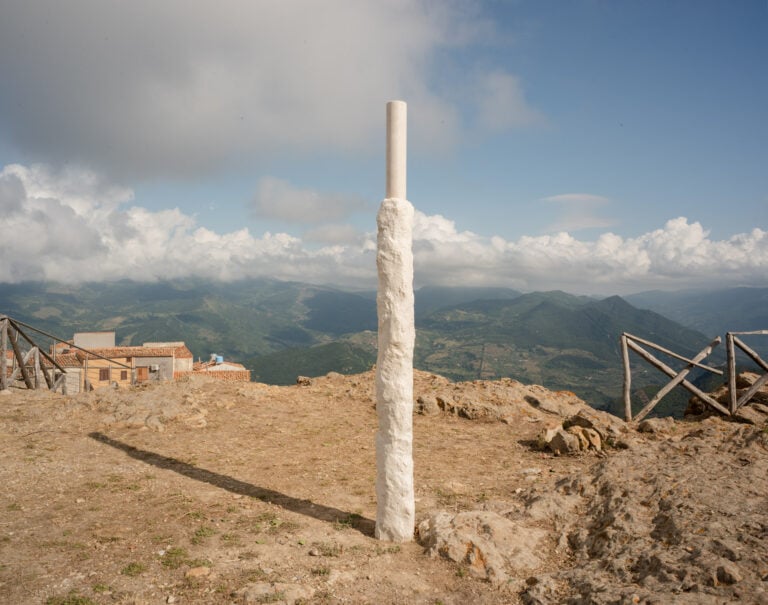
column 183, row 87
column 73, row 227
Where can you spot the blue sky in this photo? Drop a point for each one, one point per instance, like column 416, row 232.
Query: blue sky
column 586, row 145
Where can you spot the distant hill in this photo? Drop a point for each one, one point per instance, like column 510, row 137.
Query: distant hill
column 553, row 338
column 432, row 298
column 284, row 329
column 713, row 312
column 284, row 366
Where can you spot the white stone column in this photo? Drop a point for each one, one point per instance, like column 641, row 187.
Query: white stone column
column 395, row 514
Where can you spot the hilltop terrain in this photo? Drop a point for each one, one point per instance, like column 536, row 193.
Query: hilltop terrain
column 204, row 492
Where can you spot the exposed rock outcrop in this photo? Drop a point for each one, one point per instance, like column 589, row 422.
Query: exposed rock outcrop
column 486, row 543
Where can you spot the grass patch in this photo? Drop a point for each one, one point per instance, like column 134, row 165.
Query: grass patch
column 348, row 522
column 388, row 550
column 106, row 539
column 199, row 563
column 161, row 538
column 255, row 575
column 133, row 569
column 173, row 558
column 231, row 539
column 270, row 523
column 73, row 598
column 246, row 555
column 328, row 549
column 201, row 533
column 272, row 597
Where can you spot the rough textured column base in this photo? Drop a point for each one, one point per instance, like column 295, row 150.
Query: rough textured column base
column 395, row 515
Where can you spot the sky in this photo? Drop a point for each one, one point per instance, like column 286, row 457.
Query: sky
column 593, row 146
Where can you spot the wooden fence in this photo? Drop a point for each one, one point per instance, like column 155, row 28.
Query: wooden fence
column 635, row 344
column 29, row 365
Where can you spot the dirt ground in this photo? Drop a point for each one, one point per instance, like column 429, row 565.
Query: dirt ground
column 208, row 492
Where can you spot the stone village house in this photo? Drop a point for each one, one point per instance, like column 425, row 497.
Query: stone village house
column 104, row 364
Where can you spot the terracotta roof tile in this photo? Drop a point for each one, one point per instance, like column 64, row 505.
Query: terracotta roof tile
column 65, row 360
column 183, row 352
column 122, row 352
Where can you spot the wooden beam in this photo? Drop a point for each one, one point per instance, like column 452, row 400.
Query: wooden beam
column 627, row 379
column 732, row 395
column 755, row 332
column 751, row 391
column 86, row 382
column 754, row 356
column 648, row 343
column 72, row 345
column 4, row 353
column 21, row 361
column 61, row 381
column 38, row 368
column 47, row 376
column 30, row 341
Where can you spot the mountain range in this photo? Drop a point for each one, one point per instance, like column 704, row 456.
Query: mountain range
column 284, row 329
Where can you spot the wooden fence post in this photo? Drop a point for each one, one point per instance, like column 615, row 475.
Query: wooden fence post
column 38, row 368
column 739, row 401
column 731, row 350
column 3, row 352
column 627, row 379
column 14, row 336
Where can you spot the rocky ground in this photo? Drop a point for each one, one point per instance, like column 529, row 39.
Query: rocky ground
column 206, row 492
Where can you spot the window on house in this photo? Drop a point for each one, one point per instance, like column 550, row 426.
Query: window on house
column 103, row 374
column 123, row 374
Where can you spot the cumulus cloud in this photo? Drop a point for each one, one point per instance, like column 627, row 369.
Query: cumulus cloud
column 58, row 226
column 278, row 199
column 679, row 255
column 185, row 86
column 578, row 211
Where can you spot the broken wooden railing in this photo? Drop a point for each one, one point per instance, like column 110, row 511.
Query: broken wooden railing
column 633, row 343
column 28, row 364
column 629, row 342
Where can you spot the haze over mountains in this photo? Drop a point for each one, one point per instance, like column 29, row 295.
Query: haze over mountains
column 284, row 329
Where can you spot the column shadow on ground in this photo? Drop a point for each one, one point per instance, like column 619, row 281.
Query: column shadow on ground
column 304, row 507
